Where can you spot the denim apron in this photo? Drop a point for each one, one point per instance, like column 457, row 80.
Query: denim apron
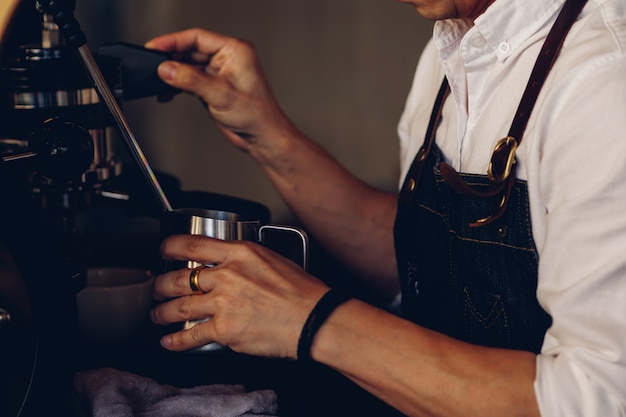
column 475, row 280
column 476, row 284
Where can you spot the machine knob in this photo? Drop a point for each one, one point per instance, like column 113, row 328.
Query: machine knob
column 64, row 148
column 62, row 12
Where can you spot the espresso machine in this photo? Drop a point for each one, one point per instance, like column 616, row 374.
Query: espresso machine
column 73, row 181
column 59, row 160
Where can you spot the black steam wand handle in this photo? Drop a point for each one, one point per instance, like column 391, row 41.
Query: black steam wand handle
column 62, row 13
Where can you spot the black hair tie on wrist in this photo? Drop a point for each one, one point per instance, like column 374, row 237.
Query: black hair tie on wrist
column 322, row 310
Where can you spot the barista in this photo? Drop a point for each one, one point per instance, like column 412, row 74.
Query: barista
column 512, row 294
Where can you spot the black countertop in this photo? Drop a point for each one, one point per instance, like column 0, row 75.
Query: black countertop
column 303, row 388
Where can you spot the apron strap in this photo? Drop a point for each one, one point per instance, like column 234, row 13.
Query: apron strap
column 549, row 52
column 500, row 171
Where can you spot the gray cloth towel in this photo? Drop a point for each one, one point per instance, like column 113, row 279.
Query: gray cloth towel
column 114, row 393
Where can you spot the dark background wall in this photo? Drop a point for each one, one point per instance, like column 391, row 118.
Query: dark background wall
column 340, row 68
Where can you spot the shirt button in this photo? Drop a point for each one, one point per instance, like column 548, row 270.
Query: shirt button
column 478, row 41
column 504, row 47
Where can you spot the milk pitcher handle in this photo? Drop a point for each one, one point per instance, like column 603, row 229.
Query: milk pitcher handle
column 303, row 240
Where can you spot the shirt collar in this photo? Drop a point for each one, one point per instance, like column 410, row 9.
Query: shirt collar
column 508, row 22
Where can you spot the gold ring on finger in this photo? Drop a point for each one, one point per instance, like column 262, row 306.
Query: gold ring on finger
column 194, row 275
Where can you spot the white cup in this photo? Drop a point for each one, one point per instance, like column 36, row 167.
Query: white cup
column 114, row 302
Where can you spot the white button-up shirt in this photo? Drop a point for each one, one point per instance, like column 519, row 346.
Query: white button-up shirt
column 573, row 157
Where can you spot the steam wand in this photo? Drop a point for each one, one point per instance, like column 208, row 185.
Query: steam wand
column 62, row 13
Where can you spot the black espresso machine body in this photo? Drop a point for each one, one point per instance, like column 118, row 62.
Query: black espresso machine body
column 38, row 319
column 58, row 161
column 61, row 172
column 48, row 171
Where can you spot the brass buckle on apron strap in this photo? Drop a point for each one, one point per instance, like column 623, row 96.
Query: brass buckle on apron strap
column 502, row 160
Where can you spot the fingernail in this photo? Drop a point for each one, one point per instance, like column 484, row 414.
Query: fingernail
column 167, row 70
column 166, row 341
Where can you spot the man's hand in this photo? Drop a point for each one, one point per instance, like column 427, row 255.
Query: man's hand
column 226, row 75
column 257, row 301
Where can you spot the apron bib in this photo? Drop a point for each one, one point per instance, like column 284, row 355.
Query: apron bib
column 476, row 284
